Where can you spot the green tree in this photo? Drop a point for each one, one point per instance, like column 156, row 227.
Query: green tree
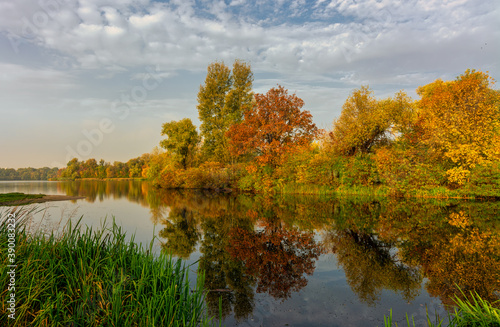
column 222, row 101
column 182, row 141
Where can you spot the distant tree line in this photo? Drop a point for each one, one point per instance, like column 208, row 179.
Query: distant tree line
column 92, row 169
column 27, row 174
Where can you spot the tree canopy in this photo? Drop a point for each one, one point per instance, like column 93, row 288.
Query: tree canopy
column 366, row 122
column 273, row 126
column 460, row 120
column 182, row 140
column 222, row 101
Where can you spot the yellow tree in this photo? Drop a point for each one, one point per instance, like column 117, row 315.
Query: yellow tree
column 366, row 122
column 460, row 120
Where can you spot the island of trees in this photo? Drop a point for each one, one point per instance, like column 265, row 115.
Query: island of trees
column 446, row 143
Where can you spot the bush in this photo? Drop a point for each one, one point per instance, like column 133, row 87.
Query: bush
column 484, row 180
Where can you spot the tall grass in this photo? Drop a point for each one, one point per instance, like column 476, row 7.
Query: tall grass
column 86, row 277
column 473, row 312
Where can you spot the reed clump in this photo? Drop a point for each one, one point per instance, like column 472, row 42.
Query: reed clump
column 471, row 312
column 85, row 277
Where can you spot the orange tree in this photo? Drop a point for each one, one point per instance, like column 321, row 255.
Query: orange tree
column 274, row 126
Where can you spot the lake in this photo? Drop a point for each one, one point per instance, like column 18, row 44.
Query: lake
column 300, row 260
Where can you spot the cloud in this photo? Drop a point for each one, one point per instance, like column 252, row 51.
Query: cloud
column 20, row 81
column 102, row 34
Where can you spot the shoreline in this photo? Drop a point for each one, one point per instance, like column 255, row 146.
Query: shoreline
column 45, row 198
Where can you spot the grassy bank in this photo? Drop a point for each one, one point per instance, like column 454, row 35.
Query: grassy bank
column 94, row 278
column 472, row 312
column 16, row 196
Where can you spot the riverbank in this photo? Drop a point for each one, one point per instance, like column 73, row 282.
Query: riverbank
column 306, row 180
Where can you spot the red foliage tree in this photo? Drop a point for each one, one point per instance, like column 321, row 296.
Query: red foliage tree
column 272, row 127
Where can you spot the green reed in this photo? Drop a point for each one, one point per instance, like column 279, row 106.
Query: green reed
column 85, row 277
column 473, row 312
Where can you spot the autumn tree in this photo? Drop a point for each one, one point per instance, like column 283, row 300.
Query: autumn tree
column 366, row 122
column 272, row 127
column 182, row 140
column 460, row 121
column 222, row 101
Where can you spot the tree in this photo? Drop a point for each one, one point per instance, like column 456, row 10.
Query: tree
column 272, row 127
column 182, row 140
column 222, row 101
column 460, row 121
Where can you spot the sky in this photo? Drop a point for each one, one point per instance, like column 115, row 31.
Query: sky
column 98, row 78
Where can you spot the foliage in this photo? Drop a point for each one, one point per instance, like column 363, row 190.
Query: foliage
column 484, row 180
column 402, row 171
column 366, row 122
column 209, row 175
column 460, row 120
column 273, row 127
column 444, row 145
column 222, row 102
column 182, row 141
column 134, row 168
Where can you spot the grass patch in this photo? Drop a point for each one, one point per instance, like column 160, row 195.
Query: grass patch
column 16, row 196
column 474, row 311
column 82, row 277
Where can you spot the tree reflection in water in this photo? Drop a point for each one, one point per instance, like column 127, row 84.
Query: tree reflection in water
column 225, row 278
column 253, row 243
column 370, row 267
column 180, row 232
column 277, row 256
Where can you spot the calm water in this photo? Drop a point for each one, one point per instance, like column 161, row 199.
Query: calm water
column 301, row 261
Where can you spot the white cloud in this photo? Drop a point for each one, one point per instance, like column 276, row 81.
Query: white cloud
column 19, row 81
column 132, row 34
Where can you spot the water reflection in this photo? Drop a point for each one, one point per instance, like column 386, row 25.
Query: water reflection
column 370, row 267
column 386, row 244
column 252, row 244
